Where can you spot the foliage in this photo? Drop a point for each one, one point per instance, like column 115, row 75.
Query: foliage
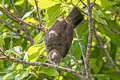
column 17, row 47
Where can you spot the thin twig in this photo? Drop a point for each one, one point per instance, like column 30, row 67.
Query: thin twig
column 117, row 9
column 74, row 72
column 39, row 18
column 38, row 13
column 38, row 75
column 105, row 26
column 83, row 3
column 24, row 25
column 23, row 11
column 28, row 37
column 2, row 21
column 105, row 51
column 17, row 28
column 16, row 32
column 81, row 47
column 76, row 61
column 28, row 34
column 92, row 4
column 15, row 10
column 11, row 16
column 113, row 30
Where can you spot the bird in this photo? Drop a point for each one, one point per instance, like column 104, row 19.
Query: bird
column 58, row 38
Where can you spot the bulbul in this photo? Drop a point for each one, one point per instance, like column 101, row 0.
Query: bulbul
column 59, row 36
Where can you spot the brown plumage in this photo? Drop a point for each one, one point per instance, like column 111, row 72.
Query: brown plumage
column 59, row 37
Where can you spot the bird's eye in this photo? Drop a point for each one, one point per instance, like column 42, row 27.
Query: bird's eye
column 52, row 59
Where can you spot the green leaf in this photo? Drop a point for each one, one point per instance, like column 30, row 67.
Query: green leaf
column 34, row 21
column 96, row 60
column 27, row 14
column 98, row 16
column 38, row 38
column 22, row 74
column 49, row 71
column 11, row 42
column 53, row 13
column 35, row 51
column 6, row 77
column 98, row 2
column 75, row 49
column 19, row 2
column 2, row 64
column 115, row 38
column 106, row 3
column 43, row 4
column 95, row 65
column 102, row 77
column 82, row 29
column 2, row 37
column 114, row 75
column 1, row 42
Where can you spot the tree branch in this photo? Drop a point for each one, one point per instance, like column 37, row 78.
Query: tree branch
column 28, row 34
column 15, row 10
column 38, row 13
column 6, row 23
column 39, row 18
column 76, row 61
column 105, row 26
column 81, row 47
column 24, row 25
column 76, row 73
column 113, row 30
column 11, row 16
column 23, row 11
column 92, row 3
column 83, row 3
column 28, row 37
column 105, row 51
column 90, row 33
column 117, row 9
column 16, row 32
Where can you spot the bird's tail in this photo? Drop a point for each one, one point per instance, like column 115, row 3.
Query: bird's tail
column 75, row 17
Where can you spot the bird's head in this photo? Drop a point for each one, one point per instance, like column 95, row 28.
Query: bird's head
column 54, row 56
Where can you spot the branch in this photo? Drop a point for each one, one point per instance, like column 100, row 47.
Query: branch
column 105, row 51
column 81, row 47
column 76, row 61
column 11, row 16
column 85, row 14
column 90, row 31
column 105, row 26
column 6, row 23
column 15, row 10
column 25, row 5
column 92, row 3
column 29, row 38
column 76, row 73
column 38, row 13
column 117, row 9
column 16, row 32
column 17, row 28
column 83, row 3
column 39, row 18
column 113, row 30
column 28, row 34
column 24, row 26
